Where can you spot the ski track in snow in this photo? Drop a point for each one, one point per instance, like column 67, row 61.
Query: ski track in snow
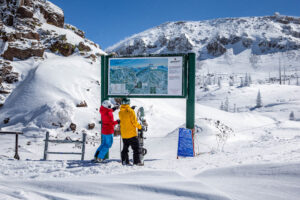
column 260, row 158
column 269, row 181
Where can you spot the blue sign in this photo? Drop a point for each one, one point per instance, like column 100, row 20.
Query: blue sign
column 185, row 143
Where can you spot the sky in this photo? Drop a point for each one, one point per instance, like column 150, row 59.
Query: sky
column 108, row 22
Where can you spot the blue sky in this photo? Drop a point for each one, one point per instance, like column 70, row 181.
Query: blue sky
column 107, row 22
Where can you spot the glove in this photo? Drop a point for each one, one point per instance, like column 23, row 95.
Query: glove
column 133, row 107
column 115, row 108
column 118, row 121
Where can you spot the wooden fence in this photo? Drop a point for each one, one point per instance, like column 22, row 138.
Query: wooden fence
column 47, row 140
column 16, row 143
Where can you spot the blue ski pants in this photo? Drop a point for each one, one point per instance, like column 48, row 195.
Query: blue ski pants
column 106, row 143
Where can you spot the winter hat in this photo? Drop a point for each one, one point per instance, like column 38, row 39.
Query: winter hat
column 106, row 104
column 125, row 101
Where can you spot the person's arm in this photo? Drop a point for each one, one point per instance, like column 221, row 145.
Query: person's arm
column 111, row 119
column 133, row 120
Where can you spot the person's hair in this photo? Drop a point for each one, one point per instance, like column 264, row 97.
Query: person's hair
column 125, row 101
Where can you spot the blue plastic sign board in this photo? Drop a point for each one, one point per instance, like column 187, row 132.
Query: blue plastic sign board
column 185, row 143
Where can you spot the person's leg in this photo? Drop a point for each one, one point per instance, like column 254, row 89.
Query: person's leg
column 124, row 153
column 100, row 147
column 135, row 148
column 107, row 142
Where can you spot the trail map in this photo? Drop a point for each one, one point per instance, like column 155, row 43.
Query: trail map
column 145, row 76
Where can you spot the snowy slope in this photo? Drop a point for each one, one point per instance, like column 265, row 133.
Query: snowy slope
column 243, row 153
column 213, row 38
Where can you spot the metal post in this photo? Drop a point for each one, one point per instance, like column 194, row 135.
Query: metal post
column 46, row 146
column 16, row 148
column 190, row 101
column 83, row 145
column 103, row 58
column 104, row 63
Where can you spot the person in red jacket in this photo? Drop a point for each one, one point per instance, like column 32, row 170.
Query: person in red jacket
column 107, row 130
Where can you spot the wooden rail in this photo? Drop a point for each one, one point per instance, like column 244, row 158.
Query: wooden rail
column 46, row 152
column 17, row 141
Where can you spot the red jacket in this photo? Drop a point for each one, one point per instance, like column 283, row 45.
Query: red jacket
column 107, row 119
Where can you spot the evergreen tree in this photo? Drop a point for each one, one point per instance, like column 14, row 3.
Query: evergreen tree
column 279, row 72
column 208, row 80
column 246, row 82
column 258, row 100
column 297, row 79
column 219, row 82
column 234, row 107
column 242, row 82
column 222, row 106
column 249, row 79
column 214, row 79
column 226, row 105
column 292, row 116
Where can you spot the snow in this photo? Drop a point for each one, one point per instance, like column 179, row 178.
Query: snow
column 258, row 155
column 253, row 153
column 54, row 8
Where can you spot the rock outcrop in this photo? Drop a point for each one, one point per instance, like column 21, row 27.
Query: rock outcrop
column 27, row 38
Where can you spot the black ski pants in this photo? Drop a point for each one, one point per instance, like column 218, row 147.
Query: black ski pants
column 134, row 143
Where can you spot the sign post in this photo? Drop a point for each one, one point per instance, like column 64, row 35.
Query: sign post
column 151, row 76
column 103, row 88
column 190, row 101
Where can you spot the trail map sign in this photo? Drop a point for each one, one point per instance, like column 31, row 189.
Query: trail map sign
column 146, row 76
column 152, row 76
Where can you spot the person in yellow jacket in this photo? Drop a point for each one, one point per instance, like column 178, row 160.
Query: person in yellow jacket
column 128, row 125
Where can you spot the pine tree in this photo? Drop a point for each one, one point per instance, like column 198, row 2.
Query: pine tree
column 246, row 82
column 219, row 82
column 279, row 72
column 258, row 100
column 222, row 106
column 226, row 105
column 214, row 79
column 284, row 75
column 297, row 79
column 208, row 80
column 242, row 82
column 292, row 116
column 249, row 79
column 234, row 107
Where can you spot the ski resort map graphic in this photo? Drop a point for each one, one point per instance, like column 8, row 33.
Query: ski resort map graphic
column 145, row 76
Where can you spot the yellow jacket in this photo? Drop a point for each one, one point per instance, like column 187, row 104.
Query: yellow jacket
column 129, row 123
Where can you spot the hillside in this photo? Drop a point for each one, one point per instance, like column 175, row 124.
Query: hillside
column 50, row 80
column 48, row 69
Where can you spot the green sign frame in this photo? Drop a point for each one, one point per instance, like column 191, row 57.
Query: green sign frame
column 188, row 83
column 184, row 76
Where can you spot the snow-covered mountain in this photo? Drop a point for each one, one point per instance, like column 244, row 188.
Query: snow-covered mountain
column 213, row 38
column 49, row 78
column 49, row 71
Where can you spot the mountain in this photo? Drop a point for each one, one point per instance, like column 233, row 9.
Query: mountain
column 212, row 38
column 49, row 71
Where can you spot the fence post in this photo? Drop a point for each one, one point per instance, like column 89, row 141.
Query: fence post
column 16, row 148
column 83, row 145
column 46, row 146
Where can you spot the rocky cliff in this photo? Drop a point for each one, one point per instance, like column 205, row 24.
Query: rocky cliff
column 31, row 28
